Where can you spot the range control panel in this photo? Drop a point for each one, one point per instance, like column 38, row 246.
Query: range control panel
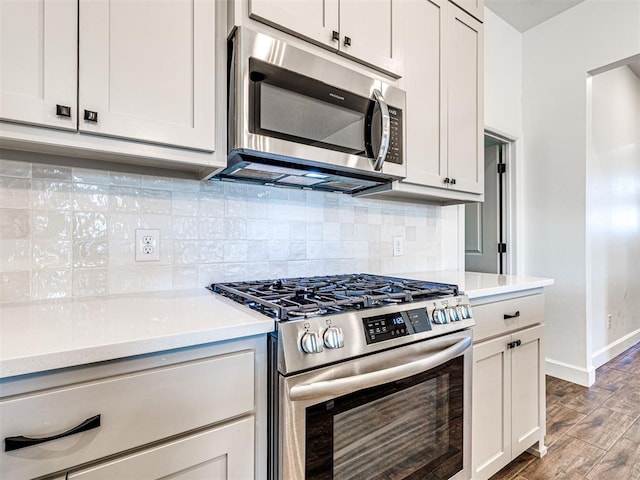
column 393, row 325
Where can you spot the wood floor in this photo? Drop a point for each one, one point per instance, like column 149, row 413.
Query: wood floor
column 592, row 433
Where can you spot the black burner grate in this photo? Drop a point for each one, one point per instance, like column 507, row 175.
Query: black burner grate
column 312, row 296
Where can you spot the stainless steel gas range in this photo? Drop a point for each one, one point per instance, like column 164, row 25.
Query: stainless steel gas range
column 370, row 376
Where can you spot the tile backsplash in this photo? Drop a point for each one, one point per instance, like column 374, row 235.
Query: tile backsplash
column 70, row 232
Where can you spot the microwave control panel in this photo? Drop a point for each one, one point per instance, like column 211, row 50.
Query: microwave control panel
column 393, row 325
column 395, row 142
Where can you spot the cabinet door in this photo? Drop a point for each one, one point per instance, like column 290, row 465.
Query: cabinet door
column 315, row 20
column 465, row 115
column 147, row 69
column 369, row 27
column 491, row 416
column 528, row 389
column 220, row 453
column 39, row 58
column 473, row 7
column 423, row 22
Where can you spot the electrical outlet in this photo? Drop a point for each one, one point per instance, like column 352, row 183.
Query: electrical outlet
column 398, row 246
column 608, row 321
column 147, row 245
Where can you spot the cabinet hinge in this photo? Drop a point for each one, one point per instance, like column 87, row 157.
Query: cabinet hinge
column 502, row 167
column 502, row 248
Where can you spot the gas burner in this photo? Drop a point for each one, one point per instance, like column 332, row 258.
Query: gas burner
column 323, row 295
column 303, row 313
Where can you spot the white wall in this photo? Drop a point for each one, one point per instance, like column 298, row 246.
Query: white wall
column 556, row 58
column 503, row 115
column 613, row 211
column 67, row 232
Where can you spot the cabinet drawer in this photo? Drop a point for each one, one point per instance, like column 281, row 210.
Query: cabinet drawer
column 134, row 409
column 504, row 316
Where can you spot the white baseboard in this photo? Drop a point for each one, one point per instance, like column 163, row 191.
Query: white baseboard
column 615, row 348
column 570, row 373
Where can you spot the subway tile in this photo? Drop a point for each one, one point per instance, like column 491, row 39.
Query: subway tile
column 125, row 179
column 15, row 192
column 15, row 224
column 210, row 273
column 52, row 172
column 298, row 250
column 11, row 168
column 89, row 226
column 51, row 283
column 90, row 282
column 160, row 183
column 186, row 252
column 90, row 176
column 184, row 203
column 51, row 194
column 257, row 229
column 156, row 278
column 51, row 254
column 125, row 280
column 211, row 228
column 15, row 255
column 124, row 199
column 331, row 231
column 184, row 185
column 235, row 207
column 257, row 251
column 156, row 201
column 235, row 228
column 234, row 251
column 92, row 197
column 210, row 205
column 279, row 230
column 278, row 250
column 212, row 250
column 279, row 270
column 234, row 272
column 185, row 278
column 90, row 253
column 15, row 286
column 185, row 228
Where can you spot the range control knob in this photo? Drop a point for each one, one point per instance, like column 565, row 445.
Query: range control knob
column 454, row 316
column 333, row 337
column 311, row 342
column 439, row 316
column 464, row 311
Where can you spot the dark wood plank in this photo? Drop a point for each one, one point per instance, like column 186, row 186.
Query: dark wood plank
column 576, row 397
column 612, row 379
column 559, row 420
column 621, row 462
column 603, row 427
column 517, row 465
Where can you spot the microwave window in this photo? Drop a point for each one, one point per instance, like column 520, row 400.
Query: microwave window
column 308, row 120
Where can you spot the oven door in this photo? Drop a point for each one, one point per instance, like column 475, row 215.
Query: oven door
column 399, row 414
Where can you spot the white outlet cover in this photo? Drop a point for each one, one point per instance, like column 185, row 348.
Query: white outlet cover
column 147, row 245
column 398, row 246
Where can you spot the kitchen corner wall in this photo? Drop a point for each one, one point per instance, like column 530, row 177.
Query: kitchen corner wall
column 69, row 232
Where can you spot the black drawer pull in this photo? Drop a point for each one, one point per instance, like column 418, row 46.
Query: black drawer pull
column 515, row 344
column 16, row 443
column 90, row 116
column 507, row 316
column 335, row 36
column 63, row 111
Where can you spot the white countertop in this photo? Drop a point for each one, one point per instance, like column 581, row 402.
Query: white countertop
column 476, row 285
column 45, row 335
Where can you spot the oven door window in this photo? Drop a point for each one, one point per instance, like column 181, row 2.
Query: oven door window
column 290, row 106
column 408, row 429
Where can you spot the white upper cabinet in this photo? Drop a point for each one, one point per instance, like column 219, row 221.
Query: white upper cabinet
column 315, row 20
column 423, row 23
column 147, row 70
column 465, row 120
column 38, row 62
column 358, row 29
column 473, row 7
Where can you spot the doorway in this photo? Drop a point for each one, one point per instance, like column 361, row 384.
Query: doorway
column 486, row 223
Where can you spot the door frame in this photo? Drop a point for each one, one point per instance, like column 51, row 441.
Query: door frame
column 512, row 203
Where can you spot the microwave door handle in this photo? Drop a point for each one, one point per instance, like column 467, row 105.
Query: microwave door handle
column 386, row 130
column 341, row 386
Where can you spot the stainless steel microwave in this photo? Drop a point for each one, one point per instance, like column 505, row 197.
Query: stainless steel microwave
column 296, row 119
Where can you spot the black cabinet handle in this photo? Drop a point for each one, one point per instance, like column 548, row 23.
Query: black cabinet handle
column 335, row 36
column 16, row 443
column 90, row 116
column 63, row 111
column 447, row 180
column 507, row 316
column 453, row 181
column 515, row 344
column 347, row 41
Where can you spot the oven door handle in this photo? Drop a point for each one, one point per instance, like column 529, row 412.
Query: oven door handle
column 341, row 386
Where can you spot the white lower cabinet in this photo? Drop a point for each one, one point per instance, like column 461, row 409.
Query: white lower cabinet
column 215, row 454
column 177, row 414
column 508, row 386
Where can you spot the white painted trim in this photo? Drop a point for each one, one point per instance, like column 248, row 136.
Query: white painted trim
column 461, row 238
column 615, row 348
column 513, row 192
column 570, row 373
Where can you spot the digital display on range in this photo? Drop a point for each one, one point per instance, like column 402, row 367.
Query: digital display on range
column 384, row 327
column 393, row 325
